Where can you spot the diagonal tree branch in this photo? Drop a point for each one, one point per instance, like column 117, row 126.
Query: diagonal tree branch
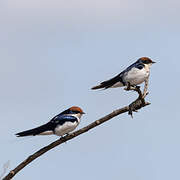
column 134, row 106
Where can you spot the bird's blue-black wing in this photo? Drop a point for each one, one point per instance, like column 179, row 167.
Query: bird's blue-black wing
column 61, row 119
column 137, row 64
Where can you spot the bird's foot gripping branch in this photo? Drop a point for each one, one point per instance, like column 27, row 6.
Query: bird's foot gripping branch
column 140, row 101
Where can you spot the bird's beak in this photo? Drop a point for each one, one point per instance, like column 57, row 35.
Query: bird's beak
column 153, row 62
column 83, row 113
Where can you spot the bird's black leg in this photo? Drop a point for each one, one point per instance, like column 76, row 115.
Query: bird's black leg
column 128, row 86
column 67, row 134
column 138, row 87
column 64, row 136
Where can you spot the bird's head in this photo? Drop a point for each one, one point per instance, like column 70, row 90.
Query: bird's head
column 146, row 61
column 74, row 111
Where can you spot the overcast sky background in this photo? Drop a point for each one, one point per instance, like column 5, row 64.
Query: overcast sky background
column 53, row 52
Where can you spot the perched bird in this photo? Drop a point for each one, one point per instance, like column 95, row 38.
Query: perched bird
column 135, row 74
column 60, row 125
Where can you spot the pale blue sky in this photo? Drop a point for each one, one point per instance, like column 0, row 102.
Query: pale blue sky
column 53, row 52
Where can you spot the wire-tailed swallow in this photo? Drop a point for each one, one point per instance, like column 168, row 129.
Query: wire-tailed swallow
column 135, row 74
column 60, row 125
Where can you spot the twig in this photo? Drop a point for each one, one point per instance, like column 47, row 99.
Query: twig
column 137, row 104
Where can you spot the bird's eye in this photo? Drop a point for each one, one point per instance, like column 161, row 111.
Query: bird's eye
column 140, row 66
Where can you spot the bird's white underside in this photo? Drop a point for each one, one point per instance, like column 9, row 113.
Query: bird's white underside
column 66, row 128
column 135, row 76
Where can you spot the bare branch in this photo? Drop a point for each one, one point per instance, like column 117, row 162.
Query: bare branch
column 134, row 106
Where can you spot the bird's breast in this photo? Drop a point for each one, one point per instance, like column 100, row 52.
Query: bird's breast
column 67, row 127
column 136, row 76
